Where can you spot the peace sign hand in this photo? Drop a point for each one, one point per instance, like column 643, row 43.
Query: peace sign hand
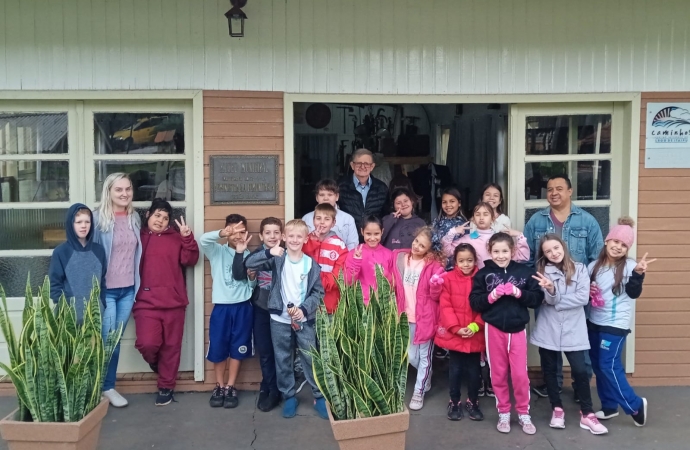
column 241, row 245
column 358, row 252
column 182, row 226
column 545, row 283
column 511, row 232
column 462, row 229
column 397, row 214
column 641, row 266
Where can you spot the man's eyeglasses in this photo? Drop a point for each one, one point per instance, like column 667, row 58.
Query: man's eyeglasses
column 363, row 165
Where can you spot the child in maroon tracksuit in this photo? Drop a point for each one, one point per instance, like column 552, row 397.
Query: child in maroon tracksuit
column 502, row 291
column 159, row 310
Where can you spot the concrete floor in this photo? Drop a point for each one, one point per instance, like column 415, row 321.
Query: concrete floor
column 192, row 424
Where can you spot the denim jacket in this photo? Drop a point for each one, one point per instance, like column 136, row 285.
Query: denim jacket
column 581, row 232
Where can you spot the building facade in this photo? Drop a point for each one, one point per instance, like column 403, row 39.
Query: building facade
column 85, row 83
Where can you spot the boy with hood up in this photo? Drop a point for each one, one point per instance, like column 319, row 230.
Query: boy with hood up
column 77, row 261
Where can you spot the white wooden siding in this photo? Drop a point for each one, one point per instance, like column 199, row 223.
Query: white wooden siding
column 348, row 46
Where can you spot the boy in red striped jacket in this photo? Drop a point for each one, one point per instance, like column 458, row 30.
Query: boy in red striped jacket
column 329, row 252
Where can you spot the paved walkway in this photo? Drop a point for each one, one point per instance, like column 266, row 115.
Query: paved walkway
column 192, row 424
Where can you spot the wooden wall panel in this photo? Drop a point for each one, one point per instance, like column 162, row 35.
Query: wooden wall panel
column 240, row 123
column 663, row 312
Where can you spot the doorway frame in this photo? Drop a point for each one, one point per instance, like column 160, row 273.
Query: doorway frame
column 627, row 116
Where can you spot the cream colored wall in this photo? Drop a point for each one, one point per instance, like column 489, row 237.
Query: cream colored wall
column 348, row 46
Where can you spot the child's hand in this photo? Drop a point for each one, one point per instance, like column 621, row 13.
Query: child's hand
column 358, row 252
column 277, row 251
column 296, row 313
column 462, row 229
column 496, row 294
column 436, row 280
column 511, row 289
column 510, row 231
column 251, row 274
column 182, row 226
column 462, row 332
column 313, row 235
column 396, row 214
column 593, row 289
column 242, row 243
column 545, row 283
column 641, row 266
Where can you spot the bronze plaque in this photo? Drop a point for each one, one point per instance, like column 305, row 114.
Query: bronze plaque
column 244, row 180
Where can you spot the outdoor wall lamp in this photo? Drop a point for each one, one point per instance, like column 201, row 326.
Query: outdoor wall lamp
column 236, row 18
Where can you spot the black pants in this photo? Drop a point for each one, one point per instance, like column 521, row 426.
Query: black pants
column 264, row 346
column 578, row 368
column 464, row 367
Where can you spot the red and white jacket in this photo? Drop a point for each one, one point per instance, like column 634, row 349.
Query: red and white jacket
column 330, row 255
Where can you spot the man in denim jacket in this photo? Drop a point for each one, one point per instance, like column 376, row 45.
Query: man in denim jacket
column 578, row 228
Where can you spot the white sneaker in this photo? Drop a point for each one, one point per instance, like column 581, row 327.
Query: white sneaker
column 503, row 422
column 417, row 402
column 115, row 398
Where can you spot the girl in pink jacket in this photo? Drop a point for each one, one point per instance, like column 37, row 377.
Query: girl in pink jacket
column 361, row 262
column 418, row 282
column 483, row 218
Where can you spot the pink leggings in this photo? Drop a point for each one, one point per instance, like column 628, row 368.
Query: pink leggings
column 507, row 353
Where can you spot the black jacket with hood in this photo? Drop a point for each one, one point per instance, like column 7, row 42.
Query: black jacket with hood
column 509, row 314
column 73, row 265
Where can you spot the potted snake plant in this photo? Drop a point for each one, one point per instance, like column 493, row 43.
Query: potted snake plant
column 57, row 367
column 361, row 367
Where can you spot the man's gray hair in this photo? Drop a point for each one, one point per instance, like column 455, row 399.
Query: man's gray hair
column 362, row 151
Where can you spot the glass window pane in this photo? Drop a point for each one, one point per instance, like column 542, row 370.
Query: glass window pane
column 600, row 213
column 31, row 229
column 140, row 133
column 551, row 135
column 14, row 272
column 34, row 181
column 591, row 179
column 164, row 179
column 33, row 133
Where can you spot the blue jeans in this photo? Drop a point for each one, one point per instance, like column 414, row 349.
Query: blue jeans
column 118, row 308
column 612, row 385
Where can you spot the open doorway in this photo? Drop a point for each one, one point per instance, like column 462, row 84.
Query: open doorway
column 462, row 145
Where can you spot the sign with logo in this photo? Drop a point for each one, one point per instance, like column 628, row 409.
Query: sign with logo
column 668, row 136
column 244, row 179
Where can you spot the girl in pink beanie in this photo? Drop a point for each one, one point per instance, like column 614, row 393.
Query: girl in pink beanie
column 616, row 282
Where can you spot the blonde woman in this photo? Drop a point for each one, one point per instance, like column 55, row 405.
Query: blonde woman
column 116, row 226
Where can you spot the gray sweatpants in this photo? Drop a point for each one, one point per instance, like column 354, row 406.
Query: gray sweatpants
column 281, row 334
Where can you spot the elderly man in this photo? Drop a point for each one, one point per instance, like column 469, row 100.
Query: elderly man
column 578, row 229
column 363, row 195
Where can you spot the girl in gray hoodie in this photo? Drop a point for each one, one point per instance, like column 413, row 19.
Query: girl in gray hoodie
column 562, row 327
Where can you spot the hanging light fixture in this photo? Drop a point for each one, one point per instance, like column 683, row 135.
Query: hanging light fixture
column 236, row 18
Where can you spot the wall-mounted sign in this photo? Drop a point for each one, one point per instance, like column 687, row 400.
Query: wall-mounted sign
column 668, row 136
column 244, row 179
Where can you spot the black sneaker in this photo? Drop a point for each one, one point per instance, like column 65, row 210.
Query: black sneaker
column 165, row 396
column 481, row 392
column 300, row 381
column 270, row 401
column 606, row 414
column 474, row 412
column 217, row 397
column 576, row 397
column 263, row 396
column 489, row 391
column 154, row 367
column 231, row 400
column 640, row 417
column 454, row 411
column 541, row 391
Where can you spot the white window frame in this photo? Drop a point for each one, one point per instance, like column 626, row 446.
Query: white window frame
column 80, row 140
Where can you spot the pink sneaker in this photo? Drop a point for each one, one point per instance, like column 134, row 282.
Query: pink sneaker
column 591, row 423
column 557, row 418
column 525, row 422
column 503, row 422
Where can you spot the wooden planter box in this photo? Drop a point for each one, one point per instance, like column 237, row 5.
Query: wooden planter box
column 82, row 435
column 373, row 433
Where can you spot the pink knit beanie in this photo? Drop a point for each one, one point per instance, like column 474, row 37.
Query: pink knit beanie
column 623, row 232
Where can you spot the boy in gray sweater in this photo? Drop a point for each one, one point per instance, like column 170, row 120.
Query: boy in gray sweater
column 296, row 293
